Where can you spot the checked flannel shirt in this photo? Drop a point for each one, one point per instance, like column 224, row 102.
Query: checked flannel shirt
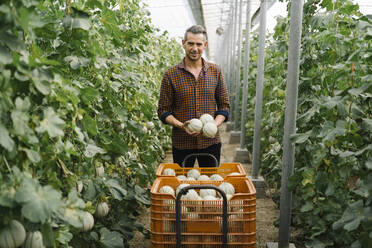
column 184, row 97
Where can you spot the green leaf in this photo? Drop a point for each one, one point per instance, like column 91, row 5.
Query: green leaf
column 116, row 190
column 337, row 131
column 48, row 234
column 5, row 56
column 369, row 164
column 89, row 94
column 80, row 22
column 51, row 123
column 110, row 239
column 30, row 20
column 20, row 122
column 74, row 217
column 83, row 23
column 34, row 156
column 367, row 124
column 91, row 150
column 73, row 200
column 90, row 124
column 63, row 234
column 299, row 138
column 7, row 197
column 5, row 140
column 307, row 207
column 12, row 41
column 352, row 225
column 90, row 192
column 308, row 176
column 38, row 202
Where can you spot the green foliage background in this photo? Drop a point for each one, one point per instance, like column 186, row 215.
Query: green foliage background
column 79, row 84
column 332, row 200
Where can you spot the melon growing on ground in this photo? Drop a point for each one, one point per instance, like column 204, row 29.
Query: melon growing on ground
column 88, row 222
column 210, row 130
column 102, row 209
column 34, row 240
column 205, row 118
column 195, row 125
column 12, row 235
column 100, row 170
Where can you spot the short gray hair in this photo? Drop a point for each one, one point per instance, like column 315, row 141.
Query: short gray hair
column 196, row 29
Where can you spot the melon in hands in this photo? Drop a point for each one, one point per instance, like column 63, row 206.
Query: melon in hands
column 210, row 130
column 205, row 118
column 195, row 125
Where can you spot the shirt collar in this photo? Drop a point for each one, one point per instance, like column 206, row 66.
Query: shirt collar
column 205, row 64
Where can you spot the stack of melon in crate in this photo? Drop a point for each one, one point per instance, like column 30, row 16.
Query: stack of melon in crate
column 201, row 209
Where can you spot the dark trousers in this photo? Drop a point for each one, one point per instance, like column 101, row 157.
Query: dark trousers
column 204, row 161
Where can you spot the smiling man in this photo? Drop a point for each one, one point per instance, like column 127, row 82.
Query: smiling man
column 188, row 90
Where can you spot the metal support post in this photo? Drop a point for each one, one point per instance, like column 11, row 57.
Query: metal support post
column 242, row 154
column 247, row 47
column 238, row 67
column 259, row 90
column 290, row 119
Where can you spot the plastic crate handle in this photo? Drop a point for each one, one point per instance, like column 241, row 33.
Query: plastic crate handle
column 200, row 154
column 184, row 191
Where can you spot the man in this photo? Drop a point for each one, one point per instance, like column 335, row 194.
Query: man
column 188, row 90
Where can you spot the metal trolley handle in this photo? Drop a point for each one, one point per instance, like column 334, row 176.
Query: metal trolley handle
column 202, row 155
column 184, row 191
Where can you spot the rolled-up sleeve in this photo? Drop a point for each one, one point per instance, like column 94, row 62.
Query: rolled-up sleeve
column 222, row 97
column 165, row 98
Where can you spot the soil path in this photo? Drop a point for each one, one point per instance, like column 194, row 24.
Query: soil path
column 266, row 210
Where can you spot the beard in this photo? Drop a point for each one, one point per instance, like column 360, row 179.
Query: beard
column 192, row 57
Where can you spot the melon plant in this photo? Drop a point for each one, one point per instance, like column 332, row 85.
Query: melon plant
column 12, row 235
column 195, row 125
column 34, row 240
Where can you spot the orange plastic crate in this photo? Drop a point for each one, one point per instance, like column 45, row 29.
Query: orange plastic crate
column 223, row 170
column 201, row 221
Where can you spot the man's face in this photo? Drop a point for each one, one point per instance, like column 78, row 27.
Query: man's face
column 194, row 46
